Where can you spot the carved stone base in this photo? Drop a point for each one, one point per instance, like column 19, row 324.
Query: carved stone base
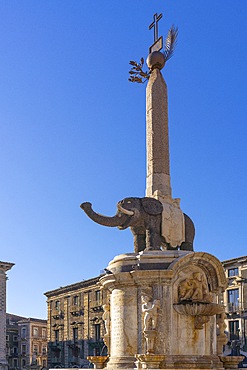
column 106, row 340
column 121, row 362
column 99, row 362
column 150, row 336
column 150, row 361
column 231, row 362
column 221, row 341
column 180, row 362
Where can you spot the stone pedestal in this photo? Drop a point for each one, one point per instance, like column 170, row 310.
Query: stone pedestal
column 231, row 362
column 145, row 290
column 99, row 362
column 150, row 361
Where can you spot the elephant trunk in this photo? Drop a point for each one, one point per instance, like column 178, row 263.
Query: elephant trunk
column 117, row 220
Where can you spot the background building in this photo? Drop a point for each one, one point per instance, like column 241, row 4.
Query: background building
column 26, row 342
column 32, row 343
column 235, row 300
column 12, row 341
column 75, row 327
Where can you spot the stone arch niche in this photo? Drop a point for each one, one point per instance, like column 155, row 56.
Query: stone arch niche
column 197, row 284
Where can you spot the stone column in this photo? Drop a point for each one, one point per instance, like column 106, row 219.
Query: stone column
column 158, row 163
column 4, row 266
column 123, row 312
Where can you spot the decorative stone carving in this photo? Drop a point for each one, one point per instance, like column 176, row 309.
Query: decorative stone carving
column 201, row 311
column 194, row 288
column 194, row 297
column 150, row 309
column 221, row 335
column 107, row 322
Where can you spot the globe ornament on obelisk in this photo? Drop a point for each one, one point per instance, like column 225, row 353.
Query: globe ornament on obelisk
column 156, row 221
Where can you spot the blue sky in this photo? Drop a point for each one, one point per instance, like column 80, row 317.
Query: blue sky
column 72, row 129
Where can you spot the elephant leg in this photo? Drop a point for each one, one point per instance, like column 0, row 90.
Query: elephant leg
column 189, row 234
column 186, row 246
column 153, row 233
column 139, row 239
column 153, row 240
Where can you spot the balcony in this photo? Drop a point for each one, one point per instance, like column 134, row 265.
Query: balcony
column 75, row 310
column 57, row 314
column 233, row 307
column 96, row 306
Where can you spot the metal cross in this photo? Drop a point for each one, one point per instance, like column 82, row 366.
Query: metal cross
column 155, row 25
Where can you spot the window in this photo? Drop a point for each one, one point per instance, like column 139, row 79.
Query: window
column 15, row 350
column 35, row 332
column 15, row 338
column 23, row 362
column 44, row 363
column 98, row 296
column 75, row 300
column 234, row 330
column 233, row 272
column 23, row 349
column 23, row 332
column 35, row 349
column 43, row 351
column 15, row 362
column 56, row 335
column 7, row 338
column 233, row 295
column 57, row 305
column 233, row 299
column 97, row 332
column 43, row 333
column 75, row 334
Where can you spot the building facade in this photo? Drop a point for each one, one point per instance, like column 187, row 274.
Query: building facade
column 75, row 327
column 235, row 301
column 12, row 341
column 32, row 346
column 26, row 343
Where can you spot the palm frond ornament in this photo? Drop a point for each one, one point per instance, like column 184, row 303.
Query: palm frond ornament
column 170, row 43
column 137, row 74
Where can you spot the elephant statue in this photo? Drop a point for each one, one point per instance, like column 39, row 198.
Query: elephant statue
column 143, row 216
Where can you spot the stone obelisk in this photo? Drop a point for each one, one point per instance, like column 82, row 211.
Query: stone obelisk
column 4, row 267
column 157, row 137
column 158, row 163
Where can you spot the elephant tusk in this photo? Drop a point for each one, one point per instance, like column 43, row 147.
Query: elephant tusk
column 125, row 211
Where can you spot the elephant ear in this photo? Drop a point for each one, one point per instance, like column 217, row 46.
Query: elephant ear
column 152, row 206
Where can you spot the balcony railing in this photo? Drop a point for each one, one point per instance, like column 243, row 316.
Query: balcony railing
column 57, row 314
column 233, row 307
column 96, row 305
column 76, row 310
